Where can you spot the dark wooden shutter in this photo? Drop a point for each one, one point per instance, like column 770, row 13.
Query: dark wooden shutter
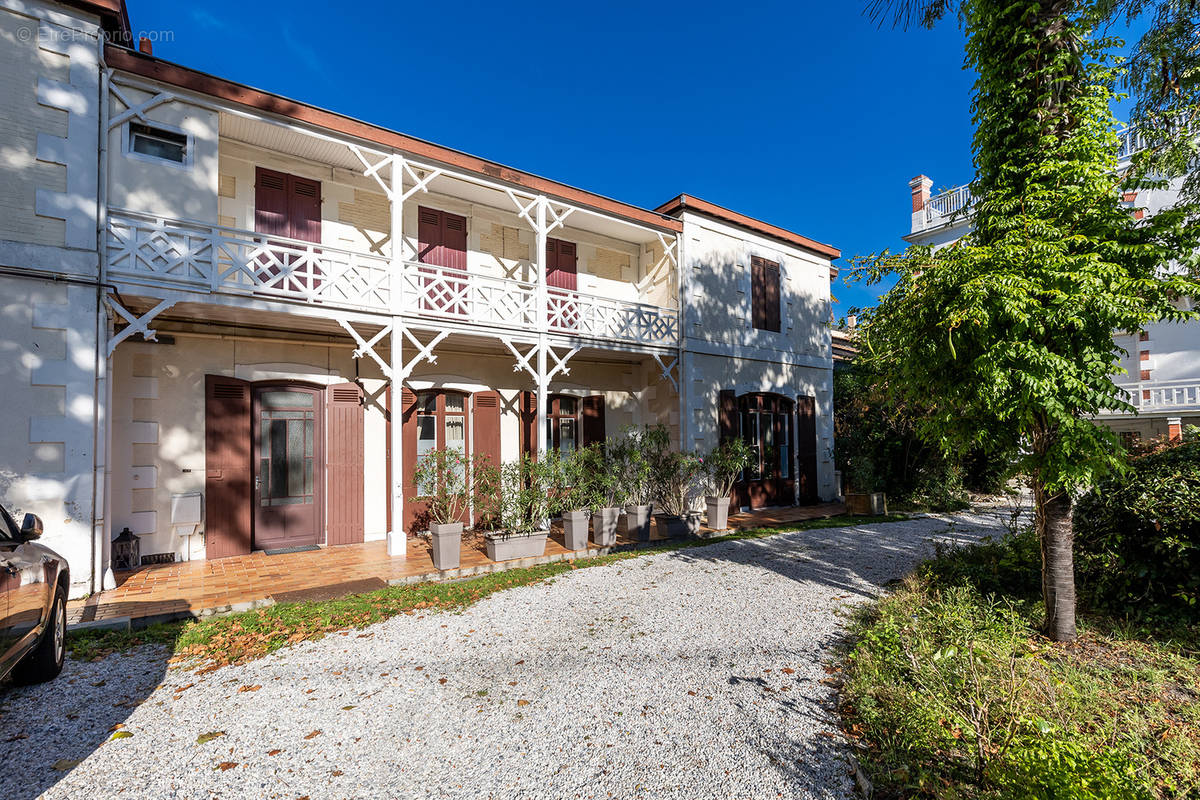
column 227, row 476
column 764, row 294
column 441, row 238
column 528, row 413
column 271, row 202
column 592, row 427
column 562, row 265
column 487, row 425
column 772, row 310
column 429, row 236
column 806, row 447
column 727, row 414
column 304, row 209
column 344, row 463
column 454, row 241
column 408, row 415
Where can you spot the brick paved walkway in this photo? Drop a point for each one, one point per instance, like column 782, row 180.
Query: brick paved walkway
column 202, row 588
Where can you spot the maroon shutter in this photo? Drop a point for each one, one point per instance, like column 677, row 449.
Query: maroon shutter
column 771, row 312
column 727, row 414
column 429, row 236
column 227, row 477
column 344, row 463
column 408, row 414
column 271, row 202
column 304, row 209
column 528, row 422
column 592, row 427
column 454, row 241
column 487, row 425
column 806, row 447
column 562, row 265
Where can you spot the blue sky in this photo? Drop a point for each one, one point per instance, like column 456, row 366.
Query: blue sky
column 805, row 115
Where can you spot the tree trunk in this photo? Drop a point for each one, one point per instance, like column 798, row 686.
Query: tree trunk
column 1056, row 534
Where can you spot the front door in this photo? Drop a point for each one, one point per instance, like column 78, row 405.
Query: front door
column 288, row 463
column 766, row 427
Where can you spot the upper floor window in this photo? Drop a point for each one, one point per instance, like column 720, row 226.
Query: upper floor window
column 159, row 144
column 764, row 294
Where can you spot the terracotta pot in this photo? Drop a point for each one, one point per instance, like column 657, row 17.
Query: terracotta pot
column 718, row 512
column 575, row 529
column 447, row 544
column 604, row 526
column 507, row 546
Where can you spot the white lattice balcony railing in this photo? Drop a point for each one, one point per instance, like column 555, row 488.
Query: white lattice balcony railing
column 1151, row 396
column 188, row 255
column 179, row 254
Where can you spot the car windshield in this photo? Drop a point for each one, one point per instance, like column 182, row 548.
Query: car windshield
column 8, row 528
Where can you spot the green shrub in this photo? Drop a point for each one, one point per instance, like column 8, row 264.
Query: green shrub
column 1137, row 537
column 1047, row 765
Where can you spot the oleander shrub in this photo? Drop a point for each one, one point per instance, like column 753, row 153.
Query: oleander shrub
column 1137, row 537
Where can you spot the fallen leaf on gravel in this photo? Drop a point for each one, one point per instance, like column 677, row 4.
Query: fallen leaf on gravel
column 117, row 727
column 418, row 669
column 224, row 765
column 693, row 694
column 337, row 772
column 347, row 708
column 512, row 683
column 64, row 764
column 522, row 702
column 519, row 663
column 17, row 736
column 208, row 737
column 441, row 680
column 253, row 688
column 788, row 671
column 274, row 752
column 120, row 735
column 312, row 735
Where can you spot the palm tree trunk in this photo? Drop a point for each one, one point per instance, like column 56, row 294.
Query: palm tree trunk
column 1056, row 534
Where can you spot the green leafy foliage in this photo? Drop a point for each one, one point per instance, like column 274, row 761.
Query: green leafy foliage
column 1137, row 537
column 950, row 692
column 724, row 463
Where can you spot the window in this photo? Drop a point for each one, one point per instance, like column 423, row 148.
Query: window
column 562, row 424
column 764, row 294
column 156, row 143
column 441, row 422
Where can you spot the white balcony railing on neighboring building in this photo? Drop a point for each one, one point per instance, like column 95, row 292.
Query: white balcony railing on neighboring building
column 942, row 206
column 157, row 251
column 1162, row 396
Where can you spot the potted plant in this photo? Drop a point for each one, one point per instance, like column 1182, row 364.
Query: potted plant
column 603, row 491
column 524, row 512
column 570, row 497
column 723, row 465
column 633, row 462
column 680, row 473
column 441, row 477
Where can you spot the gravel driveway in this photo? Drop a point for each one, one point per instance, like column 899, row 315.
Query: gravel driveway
column 690, row 674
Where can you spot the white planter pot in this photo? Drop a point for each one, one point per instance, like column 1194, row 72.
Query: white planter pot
column 507, row 546
column 718, row 512
column 604, row 526
column 575, row 529
column 637, row 521
column 447, row 544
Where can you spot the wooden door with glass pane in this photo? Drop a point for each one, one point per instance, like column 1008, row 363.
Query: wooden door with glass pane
column 438, row 421
column 767, row 428
column 289, row 467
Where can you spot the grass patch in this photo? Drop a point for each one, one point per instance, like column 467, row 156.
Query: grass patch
column 237, row 638
column 950, row 692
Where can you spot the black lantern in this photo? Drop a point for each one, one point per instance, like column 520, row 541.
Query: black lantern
column 126, row 551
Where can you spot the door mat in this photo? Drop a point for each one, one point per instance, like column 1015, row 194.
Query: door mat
column 278, row 551
column 330, row 591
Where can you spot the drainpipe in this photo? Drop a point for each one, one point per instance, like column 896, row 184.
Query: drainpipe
column 100, row 437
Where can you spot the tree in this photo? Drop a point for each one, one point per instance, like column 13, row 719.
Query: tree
column 1011, row 328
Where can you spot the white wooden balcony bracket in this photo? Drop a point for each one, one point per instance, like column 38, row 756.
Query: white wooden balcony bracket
column 670, row 371
column 135, row 324
column 560, row 364
column 523, row 361
column 670, row 249
column 135, row 109
column 420, row 182
column 371, row 170
column 366, row 347
column 424, row 352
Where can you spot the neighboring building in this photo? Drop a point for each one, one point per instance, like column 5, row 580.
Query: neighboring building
column 1162, row 362
column 235, row 320
column 845, row 348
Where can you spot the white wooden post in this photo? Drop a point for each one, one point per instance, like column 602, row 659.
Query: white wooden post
column 397, row 541
column 543, row 302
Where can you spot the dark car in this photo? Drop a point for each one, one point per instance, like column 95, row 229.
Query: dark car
column 33, row 603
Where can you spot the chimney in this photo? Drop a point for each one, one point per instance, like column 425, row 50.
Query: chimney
column 852, row 321
column 147, row 47
column 920, row 186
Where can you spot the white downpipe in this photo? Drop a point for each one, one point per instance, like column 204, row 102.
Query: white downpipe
column 543, row 325
column 397, row 540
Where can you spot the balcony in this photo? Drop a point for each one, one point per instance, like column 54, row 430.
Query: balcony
column 1162, row 397
column 160, row 252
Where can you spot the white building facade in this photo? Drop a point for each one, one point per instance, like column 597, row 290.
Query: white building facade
column 1161, row 364
column 233, row 321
